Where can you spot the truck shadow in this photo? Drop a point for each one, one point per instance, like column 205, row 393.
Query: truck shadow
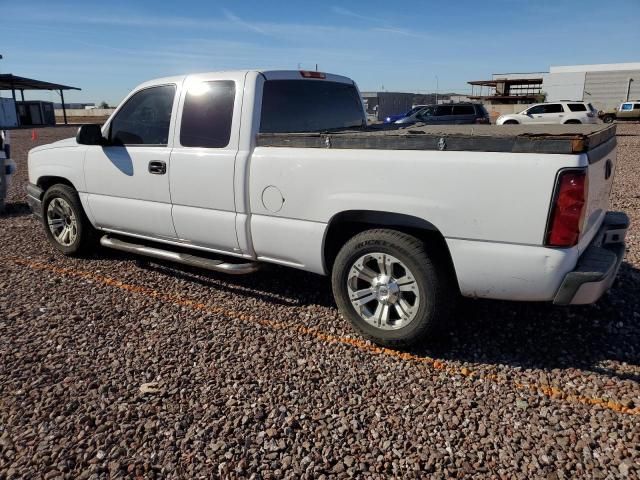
column 602, row 338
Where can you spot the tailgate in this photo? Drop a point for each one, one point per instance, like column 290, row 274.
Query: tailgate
column 601, row 170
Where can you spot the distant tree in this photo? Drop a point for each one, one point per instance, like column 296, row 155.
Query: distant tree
column 103, row 104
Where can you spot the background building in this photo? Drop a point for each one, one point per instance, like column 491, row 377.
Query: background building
column 605, row 86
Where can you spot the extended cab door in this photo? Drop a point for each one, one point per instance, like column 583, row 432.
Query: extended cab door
column 127, row 181
column 203, row 160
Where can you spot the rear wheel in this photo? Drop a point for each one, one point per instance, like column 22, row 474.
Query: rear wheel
column 66, row 225
column 391, row 289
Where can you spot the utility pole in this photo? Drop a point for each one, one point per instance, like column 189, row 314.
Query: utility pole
column 436, row 89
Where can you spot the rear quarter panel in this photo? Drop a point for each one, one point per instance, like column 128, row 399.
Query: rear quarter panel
column 482, row 196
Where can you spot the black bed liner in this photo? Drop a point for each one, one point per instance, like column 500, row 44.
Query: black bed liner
column 478, row 138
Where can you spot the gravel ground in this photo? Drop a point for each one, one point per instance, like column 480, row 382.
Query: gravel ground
column 113, row 367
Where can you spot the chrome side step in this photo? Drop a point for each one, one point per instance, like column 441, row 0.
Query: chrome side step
column 184, row 258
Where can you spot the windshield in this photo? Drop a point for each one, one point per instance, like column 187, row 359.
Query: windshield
column 309, row 106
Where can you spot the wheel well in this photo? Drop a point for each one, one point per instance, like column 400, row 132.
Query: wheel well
column 47, row 182
column 575, row 122
column 345, row 225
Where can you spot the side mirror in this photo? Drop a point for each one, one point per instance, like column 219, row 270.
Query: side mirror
column 90, row 134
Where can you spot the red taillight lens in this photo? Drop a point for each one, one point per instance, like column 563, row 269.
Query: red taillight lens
column 568, row 209
column 312, row 74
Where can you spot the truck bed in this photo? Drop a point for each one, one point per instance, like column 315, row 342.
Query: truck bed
column 558, row 139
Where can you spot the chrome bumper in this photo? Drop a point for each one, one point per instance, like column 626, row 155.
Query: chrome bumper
column 598, row 266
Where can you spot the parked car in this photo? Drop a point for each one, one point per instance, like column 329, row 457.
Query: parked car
column 552, row 113
column 7, row 166
column 228, row 170
column 393, row 118
column 625, row 111
column 449, row 114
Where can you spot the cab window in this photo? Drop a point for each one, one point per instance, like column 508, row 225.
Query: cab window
column 626, row 107
column 207, row 114
column 145, row 118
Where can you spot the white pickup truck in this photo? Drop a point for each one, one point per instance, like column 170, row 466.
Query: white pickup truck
column 231, row 169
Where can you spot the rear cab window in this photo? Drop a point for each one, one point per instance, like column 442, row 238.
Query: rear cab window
column 290, row 106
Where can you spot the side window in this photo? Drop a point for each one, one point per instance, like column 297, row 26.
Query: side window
column 553, row 108
column 207, row 114
column 626, row 106
column 443, row 110
column 636, row 106
column 577, row 107
column 536, row 110
column 145, row 118
column 463, row 110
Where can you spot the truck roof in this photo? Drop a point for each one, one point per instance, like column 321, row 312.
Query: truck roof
column 268, row 74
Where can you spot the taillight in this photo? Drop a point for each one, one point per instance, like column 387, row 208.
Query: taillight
column 312, row 74
column 482, row 120
column 591, row 114
column 568, row 209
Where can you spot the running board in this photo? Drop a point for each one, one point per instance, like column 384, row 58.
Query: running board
column 184, row 258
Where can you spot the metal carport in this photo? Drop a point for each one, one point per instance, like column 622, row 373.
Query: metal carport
column 12, row 82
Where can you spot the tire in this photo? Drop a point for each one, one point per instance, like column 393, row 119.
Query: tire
column 61, row 209
column 608, row 119
column 511, row 122
column 426, row 302
column 573, row 122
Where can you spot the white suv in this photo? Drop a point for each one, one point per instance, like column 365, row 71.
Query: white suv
column 552, row 113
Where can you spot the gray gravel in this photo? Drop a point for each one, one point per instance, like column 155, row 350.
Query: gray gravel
column 113, row 367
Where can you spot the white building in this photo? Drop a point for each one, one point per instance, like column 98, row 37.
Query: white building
column 604, row 85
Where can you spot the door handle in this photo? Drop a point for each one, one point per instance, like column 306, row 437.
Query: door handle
column 157, row 167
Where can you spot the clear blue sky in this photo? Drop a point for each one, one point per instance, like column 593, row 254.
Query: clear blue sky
column 108, row 47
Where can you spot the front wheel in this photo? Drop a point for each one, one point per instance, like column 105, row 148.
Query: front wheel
column 608, row 119
column 391, row 289
column 66, row 225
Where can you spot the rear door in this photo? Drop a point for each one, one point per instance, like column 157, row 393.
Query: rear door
column 464, row 114
column 444, row 115
column 203, row 160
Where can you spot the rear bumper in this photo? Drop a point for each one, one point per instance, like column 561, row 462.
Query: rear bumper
column 598, row 266
column 34, row 198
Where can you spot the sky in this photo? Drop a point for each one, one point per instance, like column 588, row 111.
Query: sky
column 107, row 48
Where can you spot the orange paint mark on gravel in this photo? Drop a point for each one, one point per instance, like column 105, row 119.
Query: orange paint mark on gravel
column 439, row 365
